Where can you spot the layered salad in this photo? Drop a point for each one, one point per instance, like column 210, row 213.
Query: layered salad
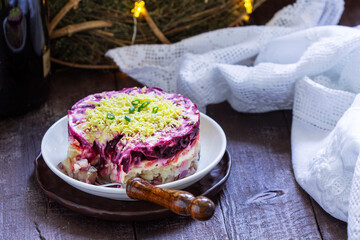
column 142, row 132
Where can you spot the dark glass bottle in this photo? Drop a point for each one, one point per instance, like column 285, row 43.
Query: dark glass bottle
column 24, row 55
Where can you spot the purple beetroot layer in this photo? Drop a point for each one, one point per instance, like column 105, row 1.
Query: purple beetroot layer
column 181, row 137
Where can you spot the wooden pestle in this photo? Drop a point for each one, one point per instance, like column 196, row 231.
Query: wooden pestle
column 180, row 202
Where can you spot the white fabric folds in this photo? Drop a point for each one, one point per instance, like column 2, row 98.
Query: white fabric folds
column 300, row 60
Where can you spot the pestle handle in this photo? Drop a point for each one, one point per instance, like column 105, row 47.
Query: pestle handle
column 180, row 202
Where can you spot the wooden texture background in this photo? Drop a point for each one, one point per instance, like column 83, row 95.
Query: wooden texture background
column 261, row 199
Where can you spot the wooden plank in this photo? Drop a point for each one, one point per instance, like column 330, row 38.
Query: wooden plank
column 266, row 11
column 124, row 81
column 261, row 199
column 177, row 227
column 330, row 227
column 351, row 14
column 269, row 206
column 183, row 228
column 26, row 211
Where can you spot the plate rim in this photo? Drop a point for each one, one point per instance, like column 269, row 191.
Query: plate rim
column 122, row 192
column 160, row 213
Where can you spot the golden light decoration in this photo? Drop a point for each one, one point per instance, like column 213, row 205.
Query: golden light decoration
column 138, row 8
column 246, row 17
column 248, row 6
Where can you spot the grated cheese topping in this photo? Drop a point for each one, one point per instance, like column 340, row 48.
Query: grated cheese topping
column 143, row 122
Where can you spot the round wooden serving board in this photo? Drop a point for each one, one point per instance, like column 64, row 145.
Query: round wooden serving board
column 116, row 210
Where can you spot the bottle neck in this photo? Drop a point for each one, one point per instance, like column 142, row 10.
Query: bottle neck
column 3, row 4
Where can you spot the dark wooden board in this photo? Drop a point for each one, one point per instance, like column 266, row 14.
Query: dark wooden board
column 26, row 213
column 262, row 191
column 329, row 227
column 351, row 14
column 261, row 199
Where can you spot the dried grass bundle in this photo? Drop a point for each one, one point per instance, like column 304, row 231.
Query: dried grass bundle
column 82, row 31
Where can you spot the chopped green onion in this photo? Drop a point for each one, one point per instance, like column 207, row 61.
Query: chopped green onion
column 143, row 105
column 110, row 116
column 132, row 109
column 155, row 110
column 127, row 118
column 135, row 102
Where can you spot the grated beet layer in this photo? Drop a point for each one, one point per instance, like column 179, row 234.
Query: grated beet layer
column 114, row 150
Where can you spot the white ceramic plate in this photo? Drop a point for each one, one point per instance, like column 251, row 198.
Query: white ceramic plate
column 54, row 148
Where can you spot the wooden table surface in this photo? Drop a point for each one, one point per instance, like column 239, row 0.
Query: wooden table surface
column 261, row 199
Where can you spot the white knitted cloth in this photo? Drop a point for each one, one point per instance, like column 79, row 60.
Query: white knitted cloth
column 295, row 61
